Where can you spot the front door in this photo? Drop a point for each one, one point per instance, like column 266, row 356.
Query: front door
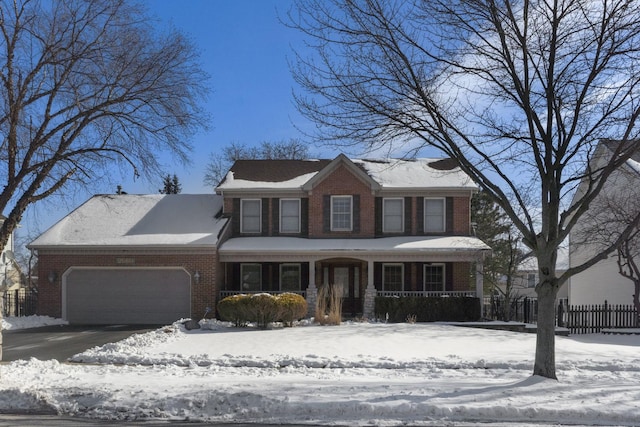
column 347, row 277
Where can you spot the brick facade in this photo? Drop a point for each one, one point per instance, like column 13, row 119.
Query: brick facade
column 341, row 182
column 203, row 294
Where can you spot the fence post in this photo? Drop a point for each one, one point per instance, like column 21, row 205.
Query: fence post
column 560, row 321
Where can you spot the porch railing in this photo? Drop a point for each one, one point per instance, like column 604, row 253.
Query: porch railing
column 224, row 294
column 426, row 294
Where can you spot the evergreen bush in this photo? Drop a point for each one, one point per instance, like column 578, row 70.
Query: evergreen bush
column 293, row 306
column 235, row 308
column 428, row 309
column 262, row 309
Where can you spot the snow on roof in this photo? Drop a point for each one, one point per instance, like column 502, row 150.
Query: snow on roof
column 425, row 173
column 401, row 244
column 139, row 220
column 297, row 182
column 417, row 173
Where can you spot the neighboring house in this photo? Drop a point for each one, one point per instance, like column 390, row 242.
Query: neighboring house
column 602, row 282
column 527, row 276
column 131, row 259
column 396, row 227
column 388, row 227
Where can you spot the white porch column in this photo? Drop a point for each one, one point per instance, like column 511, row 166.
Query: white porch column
column 480, row 285
column 370, row 293
column 312, row 290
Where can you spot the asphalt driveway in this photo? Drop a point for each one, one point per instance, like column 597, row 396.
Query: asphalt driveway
column 60, row 342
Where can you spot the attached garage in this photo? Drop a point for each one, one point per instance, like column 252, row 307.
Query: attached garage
column 131, row 259
column 126, row 295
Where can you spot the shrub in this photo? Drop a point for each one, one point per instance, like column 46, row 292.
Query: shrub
column 293, row 307
column 236, row 309
column 428, row 309
column 264, row 309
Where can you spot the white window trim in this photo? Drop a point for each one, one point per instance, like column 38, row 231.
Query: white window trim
column 444, row 276
column 444, row 214
column 242, row 230
column 299, row 274
column 299, row 216
column 384, row 230
column 393, row 264
column 350, row 228
column 247, row 264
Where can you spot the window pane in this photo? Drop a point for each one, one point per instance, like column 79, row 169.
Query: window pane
column 434, row 278
column 251, row 216
column 392, row 215
column 290, row 277
column 341, row 213
column 434, row 215
column 393, row 277
column 251, row 277
column 290, row 216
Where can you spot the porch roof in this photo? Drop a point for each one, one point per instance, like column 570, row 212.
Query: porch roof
column 469, row 248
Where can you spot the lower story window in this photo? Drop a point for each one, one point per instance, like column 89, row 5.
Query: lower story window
column 434, row 277
column 392, row 277
column 251, row 277
column 290, row 277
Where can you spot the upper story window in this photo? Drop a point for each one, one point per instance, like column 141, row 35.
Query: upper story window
column 392, row 277
column 392, row 215
column 341, row 213
column 250, row 216
column 289, row 215
column 434, row 215
column 531, row 280
column 434, row 277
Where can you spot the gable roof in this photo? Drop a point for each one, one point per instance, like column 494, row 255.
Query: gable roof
column 358, row 172
column 414, row 174
column 150, row 220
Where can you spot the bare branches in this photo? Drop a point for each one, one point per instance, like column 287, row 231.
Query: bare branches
column 87, row 85
column 519, row 93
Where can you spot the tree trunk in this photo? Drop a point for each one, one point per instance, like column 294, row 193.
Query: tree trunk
column 545, row 363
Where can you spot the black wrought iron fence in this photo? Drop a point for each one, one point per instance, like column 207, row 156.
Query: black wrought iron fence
column 20, row 302
column 516, row 310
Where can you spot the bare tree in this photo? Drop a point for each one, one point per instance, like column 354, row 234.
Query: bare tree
column 220, row 163
column 87, row 86
column 518, row 92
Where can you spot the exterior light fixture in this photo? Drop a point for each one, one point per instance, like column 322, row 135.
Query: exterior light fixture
column 196, row 277
column 52, row 277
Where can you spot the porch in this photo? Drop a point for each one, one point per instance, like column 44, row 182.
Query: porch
column 362, row 268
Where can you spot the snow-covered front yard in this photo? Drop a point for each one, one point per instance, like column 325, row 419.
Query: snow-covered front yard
column 355, row 373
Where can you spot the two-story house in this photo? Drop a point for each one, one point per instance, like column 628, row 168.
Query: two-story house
column 372, row 227
column 388, row 227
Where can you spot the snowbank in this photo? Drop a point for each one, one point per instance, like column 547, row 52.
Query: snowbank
column 356, row 373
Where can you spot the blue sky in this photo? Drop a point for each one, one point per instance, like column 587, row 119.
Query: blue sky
column 244, row 48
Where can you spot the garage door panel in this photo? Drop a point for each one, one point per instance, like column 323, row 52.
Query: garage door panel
column 108, row 296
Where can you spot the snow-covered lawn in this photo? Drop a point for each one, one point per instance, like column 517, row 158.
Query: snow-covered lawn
column 355, row 373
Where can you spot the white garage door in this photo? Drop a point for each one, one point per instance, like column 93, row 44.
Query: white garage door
column 127, row 296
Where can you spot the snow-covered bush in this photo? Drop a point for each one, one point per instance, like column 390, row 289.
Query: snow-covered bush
column 235, row 308
column 262, row 309
column 293, row 306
